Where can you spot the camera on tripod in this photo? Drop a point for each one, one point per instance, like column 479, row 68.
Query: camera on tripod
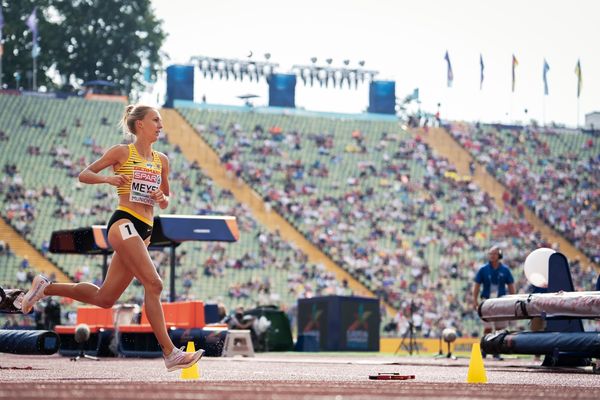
column 409, row 342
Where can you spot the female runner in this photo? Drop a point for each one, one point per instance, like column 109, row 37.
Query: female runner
column 141, row 179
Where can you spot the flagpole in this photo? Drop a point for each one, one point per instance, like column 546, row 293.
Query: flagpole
column 1, row 45
column 544, row 111
column 34, row 74
column 480, row 106
column 578, row 113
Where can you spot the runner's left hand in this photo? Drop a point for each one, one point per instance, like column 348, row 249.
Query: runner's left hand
column 158, row 196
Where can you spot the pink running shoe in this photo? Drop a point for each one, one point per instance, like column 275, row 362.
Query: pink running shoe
column 34, row 294
column 179, row 359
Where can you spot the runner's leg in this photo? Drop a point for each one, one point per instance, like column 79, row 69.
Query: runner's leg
column 118, row 278
column 132, row 250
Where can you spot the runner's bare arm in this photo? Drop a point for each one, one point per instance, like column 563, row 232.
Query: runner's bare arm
column 114, row 156
column 161, row 196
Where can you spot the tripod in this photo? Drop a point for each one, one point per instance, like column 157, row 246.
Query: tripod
column 83, row 355
column 409, row 336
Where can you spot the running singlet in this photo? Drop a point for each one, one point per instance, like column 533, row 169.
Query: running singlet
column 145, row 176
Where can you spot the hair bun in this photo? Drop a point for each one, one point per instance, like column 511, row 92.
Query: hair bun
column 129, row 108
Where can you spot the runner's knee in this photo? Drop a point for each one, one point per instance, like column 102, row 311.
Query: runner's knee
column 154, row 286
column 105, row 303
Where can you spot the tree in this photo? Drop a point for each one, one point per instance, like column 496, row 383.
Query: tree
column 83, row 40
column 17, row 58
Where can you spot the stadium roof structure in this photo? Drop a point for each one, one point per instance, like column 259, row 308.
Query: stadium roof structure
column 99, row 83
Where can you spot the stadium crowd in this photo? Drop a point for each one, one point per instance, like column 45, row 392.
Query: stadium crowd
column 377, row 240
column 381, row 204
column 555, row 174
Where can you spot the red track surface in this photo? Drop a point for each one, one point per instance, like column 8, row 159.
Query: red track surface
column 286, row 376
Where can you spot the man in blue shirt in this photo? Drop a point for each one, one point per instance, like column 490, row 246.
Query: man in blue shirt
column 495, row 278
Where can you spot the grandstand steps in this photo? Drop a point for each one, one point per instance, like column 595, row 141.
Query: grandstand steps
column 445, row 145
column 23, row 249
column 193, row 147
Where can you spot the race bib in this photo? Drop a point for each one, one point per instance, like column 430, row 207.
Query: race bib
column 127, row 230
column 143, row 182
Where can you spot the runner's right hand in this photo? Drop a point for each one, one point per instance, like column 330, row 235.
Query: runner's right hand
column 117, row 180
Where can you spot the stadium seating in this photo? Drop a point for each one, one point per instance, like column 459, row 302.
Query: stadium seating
column 373, row 197
column 555, row 172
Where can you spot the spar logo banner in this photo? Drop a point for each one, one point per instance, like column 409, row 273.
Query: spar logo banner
column 143, row 182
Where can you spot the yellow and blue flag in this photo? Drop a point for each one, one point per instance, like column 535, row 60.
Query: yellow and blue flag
column 579, row 78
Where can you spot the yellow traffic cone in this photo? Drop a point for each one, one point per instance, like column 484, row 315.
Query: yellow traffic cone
column 192, row 372
column 476, row 372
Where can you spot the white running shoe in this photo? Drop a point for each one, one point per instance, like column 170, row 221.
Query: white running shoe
column 179, row 359
column 34, row 294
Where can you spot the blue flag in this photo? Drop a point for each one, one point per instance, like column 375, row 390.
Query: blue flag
column 450, row 74
column 546, row 69
column 415, row 94
column 1, row 21
column 481, row 68
column 32, row 24
column 1, row 26
column 515, row 63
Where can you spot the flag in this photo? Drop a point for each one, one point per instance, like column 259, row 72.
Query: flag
column 481, row 68
column 1, row 23
column 514, row 66
column 579, row 79
column 415, row 94
column 545, row 73
column 450, row 75
column 32, row 23
column 1, row 26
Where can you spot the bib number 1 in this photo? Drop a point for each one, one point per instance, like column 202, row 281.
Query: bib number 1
column 127, row 230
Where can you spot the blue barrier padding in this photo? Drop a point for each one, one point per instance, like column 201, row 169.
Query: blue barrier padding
column 28, row 342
